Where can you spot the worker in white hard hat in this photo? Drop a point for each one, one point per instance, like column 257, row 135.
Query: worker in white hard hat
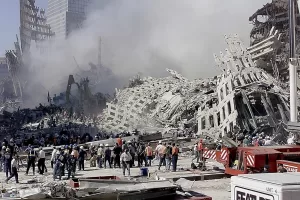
column 157, row 150
column 81, row 158
column 100, row 155
column 268, row 141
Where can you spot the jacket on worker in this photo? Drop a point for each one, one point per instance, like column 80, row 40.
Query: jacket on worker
column 125, row 157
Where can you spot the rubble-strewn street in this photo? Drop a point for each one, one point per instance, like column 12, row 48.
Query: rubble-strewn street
column 40, row 186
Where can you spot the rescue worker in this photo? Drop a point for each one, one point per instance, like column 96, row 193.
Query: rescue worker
column 107, row 155
column 157, row 149
column 119, row 141
column 31, row 160
column 53, row 156
column 200, row 149
column 81, row 158
column 117, row 151
column 14, row 166
column 141, row 154
column 100, row 154
column 71, row 165
column 75, row 153
column 149, row 154
column 112, row 157
column 93, row 156
column 162, row 155
column 7, row 161
column 41, row 161
column 266, row 169
column 3, row 151
column 168, row 156
column 175, row 151
column 66, row 154
column 132, row 152
column 281, row 169
column 59, row 163
column 124, row 145
column 196, row 153
column 126, row 160
column 268, row 141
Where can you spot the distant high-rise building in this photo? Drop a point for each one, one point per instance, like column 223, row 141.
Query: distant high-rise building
column 3, row 68
column 64, row 16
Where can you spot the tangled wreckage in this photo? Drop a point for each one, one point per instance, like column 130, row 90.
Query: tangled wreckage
column 243, row 99
column 250, row 96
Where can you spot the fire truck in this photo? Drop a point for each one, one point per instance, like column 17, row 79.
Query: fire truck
column 243, row 160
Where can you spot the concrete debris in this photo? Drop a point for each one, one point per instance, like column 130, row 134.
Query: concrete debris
column 184, row 183
column 243, row 101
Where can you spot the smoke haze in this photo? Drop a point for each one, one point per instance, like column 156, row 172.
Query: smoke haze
column 141, row 36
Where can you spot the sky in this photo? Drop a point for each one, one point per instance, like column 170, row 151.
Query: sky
column 9, row 9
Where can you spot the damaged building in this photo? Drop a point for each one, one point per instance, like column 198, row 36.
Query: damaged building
column 245, row 98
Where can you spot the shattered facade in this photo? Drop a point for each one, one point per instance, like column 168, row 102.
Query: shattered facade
column 163, row 102
column 33, row 26
column 270, row 16
column 245, row 98
column 248, row 99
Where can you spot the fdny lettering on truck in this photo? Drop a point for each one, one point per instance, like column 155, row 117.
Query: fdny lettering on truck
column 244, row 194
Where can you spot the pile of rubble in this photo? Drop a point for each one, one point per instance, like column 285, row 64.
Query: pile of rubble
column 244, row 100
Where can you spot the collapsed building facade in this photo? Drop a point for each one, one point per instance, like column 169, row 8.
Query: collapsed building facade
column 243, row 99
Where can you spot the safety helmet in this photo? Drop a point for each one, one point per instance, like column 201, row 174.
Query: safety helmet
column 106, row 145
column 3, row 147
column 159, row 142
column 81, row 147
column 101, row 145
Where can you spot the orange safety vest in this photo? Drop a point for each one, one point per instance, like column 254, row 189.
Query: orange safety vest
column 175, row 151
column 119, row 141
column 200, row 146
column 149, row 151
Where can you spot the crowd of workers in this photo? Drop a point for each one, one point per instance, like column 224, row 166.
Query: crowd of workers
column 67, row 158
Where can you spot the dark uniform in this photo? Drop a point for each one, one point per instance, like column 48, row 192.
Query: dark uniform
column 71, row 166
column 7, row 162
column 59, row 165
column 31, row 160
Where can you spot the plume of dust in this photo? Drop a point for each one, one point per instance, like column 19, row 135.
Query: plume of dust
column 140, row 36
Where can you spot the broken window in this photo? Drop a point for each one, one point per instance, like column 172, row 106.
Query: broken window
column 111, row 113
column 250, row 78
column 221, row 94
column 244, row 79
column 113, row 108
column 223, row 112
column 219, row 118
column 203, row 123
column 231, row 127
column 211, row 120
column 229, row 107
column 238, row 82
column 225, row 130
column 227, row 88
